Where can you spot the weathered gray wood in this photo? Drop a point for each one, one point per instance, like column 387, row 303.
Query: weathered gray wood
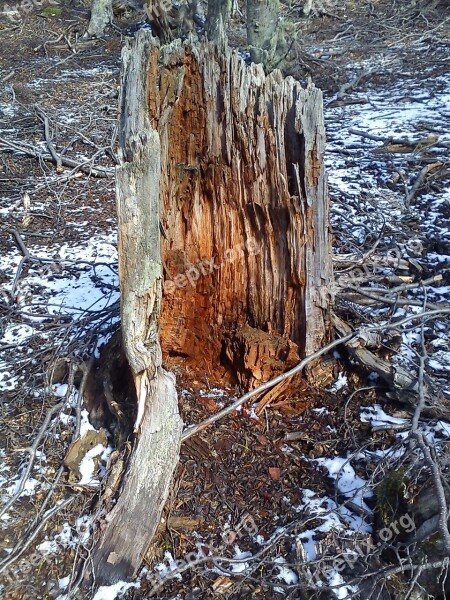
column 132, row 523
column 135, row 518
column 101, row 17
column 262, row 27
column 218, row 14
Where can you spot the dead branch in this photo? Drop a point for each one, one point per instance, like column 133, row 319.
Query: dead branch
column 194, row 429
column 386, row 298
column 399, row 141
column 421, row 390
column 351, row 85
column 34, row 152
column 437, row 483
column 373, row 362
column 20, row 548
column 48, row 139
column 419, row 181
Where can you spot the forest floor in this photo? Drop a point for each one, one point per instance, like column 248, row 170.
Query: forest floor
column 297, row 485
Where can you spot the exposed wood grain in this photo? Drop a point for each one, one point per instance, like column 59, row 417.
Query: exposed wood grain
column 244, row 202
column 231, row 161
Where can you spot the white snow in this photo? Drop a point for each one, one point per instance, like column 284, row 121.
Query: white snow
column 240, row 555
column 289, row 576
column 68, row 537
column 348, row 483
column 87, row 466
column 340, row 383
column 113, row 591
column 376, row 417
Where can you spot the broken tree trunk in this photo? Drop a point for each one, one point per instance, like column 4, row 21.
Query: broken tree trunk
column 134, row 519
column 262, row 29
column 244, row 205
column 231, row 161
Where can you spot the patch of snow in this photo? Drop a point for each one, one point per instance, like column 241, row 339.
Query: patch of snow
column 340, row 383
column 321, row 411
column 289, row 576
column 376, row 417
column 340, row 589
column 348, row 483
column 16, row 334
column 87, row 466
column 60, row 390
column 111, row 592
column 68, row 537
column 85, row 425
column 165, row 568
column 64, row 582
column 240, row 555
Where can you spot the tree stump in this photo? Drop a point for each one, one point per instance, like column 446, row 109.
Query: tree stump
column 227, row 163
column 244, row 205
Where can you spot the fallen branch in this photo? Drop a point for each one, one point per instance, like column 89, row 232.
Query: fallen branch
column 48, row 139
column 399, row 141
column 346, row 87
column 440, row 493
column 194, row 429
column 376, row 364
column 32, row 452
column 29, row 150
column 419, row 181
column 378, row 298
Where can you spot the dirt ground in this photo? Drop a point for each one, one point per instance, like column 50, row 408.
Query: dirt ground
column 51, row 77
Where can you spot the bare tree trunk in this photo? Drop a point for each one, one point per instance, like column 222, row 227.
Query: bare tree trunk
column 218, row 14
column 262, row 28
column 101, row 17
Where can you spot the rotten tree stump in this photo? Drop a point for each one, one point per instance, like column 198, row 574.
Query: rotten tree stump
column 227, row 163
column 244, row 204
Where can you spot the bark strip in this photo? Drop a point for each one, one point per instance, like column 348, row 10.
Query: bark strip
column 134, row 519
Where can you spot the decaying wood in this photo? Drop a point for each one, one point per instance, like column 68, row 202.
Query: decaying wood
column 244, row 203
column 231, row 161
column 403, row 383
column 132, row 523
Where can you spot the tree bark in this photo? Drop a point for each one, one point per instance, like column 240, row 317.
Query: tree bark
column 101, row 17
column 134, row 519
column 218, row 14
column 262, row 28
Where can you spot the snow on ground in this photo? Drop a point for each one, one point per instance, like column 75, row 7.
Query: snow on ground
column 67, row 288
column 69, row 536
column 376, row 417
column 105, row 592
column 347, row 482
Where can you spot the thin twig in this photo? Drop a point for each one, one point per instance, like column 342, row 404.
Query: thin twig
column 361, row 332
column 48, row 140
